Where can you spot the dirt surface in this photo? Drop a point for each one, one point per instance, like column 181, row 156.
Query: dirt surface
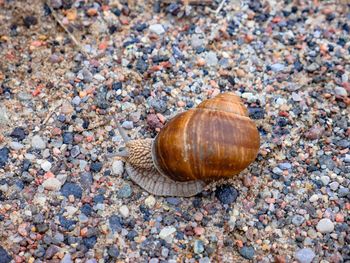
column 66, row 66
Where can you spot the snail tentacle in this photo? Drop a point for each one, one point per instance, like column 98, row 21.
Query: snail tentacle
column 121, row 130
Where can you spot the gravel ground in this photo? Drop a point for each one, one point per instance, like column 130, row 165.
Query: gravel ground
column 63, row 200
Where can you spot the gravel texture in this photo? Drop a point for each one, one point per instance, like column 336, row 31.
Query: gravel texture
column 63, row 199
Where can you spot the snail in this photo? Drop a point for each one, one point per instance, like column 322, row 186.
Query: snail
column 215, row 140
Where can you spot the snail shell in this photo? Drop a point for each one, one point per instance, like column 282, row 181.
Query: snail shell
column 215, row 140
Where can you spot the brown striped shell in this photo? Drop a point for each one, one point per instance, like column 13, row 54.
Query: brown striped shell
column 215, row 140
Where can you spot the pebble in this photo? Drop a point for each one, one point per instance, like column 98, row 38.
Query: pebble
column 16, row 146
column 347, row 158
column 312, row 67
column 167, row 232
column 325, row 225
column 277, row 170
column 46, row 165
column 125, row 191
column 313, row 198
column 305, row 255
column 211, row 59
column 325, row 180
column 298, row 220
column 296, row 97
column 96, row 167
column 71, row 189
column 124, row 211
column 4, row 155
column 204, row 260
column 86, row 180
column 128, row 125
column 67, row 258
column 341, row 91
column 67, row 137
column 226, row 194
column 38, row 143
column 198, row 246
column 334, row 186
column 52, row 184
column 150, row 201
column 165, row 252
column 285, row 166
column 113, row 251
column 75, row 151
column 117, row 167
column 4, row 118
column 157, row 29
column 173, row 200
column 18, row 133
column 247, row 252
column 277, row 67
column 67, row 108
column 4, row 256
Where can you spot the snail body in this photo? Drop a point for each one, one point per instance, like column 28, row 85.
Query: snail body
column 213, row 141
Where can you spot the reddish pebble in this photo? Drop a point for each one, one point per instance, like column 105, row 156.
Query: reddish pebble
column 314, row 133
column 161, row 118
column 339, row 218
column 198, row 230
column 18, row 259
column 78, row 138
column 270, row 200
column 83, row 232
column 91, row 12
column 124, row 21
column 22, row 229
column 56, row 131
column 280, row 259
column 89, row 138
column 198, row 216
column 181, row 103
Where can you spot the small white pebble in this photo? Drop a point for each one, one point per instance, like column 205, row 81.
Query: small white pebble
column 52, row 184
column 313, row 198
column 124, row 211
column 150, row 201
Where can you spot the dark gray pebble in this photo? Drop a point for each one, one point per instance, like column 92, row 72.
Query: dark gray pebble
column 125, row 191
column 256, row 113
column 247, row 252
column 72, row 189
column 86, row 180
column 86, row 209
column 141, row 27
column 96, row 167
column 113, row 251
column 18, row 133
column 4, row 256
column 157, row 104
column 173, row 200
column 29, row 21
column 226, row 194
column 115, row 223
column 67, row 223
column 141, row 65
column 90, row 242
column 4, row 155
column 51, row 251
column 67, row 137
